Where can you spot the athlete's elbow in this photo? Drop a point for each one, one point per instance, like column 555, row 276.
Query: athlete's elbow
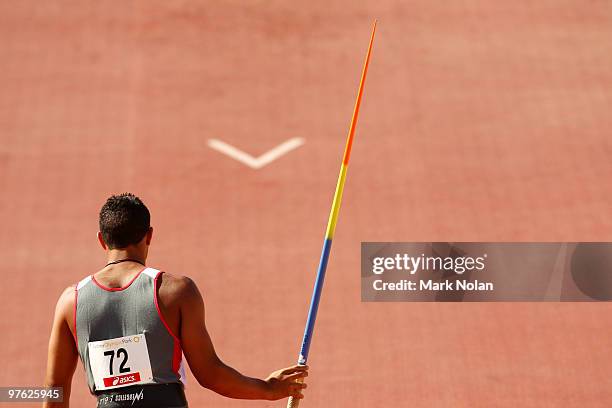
column 205, row 381
column 208, row 377
column 211, row 382
column 64, row 383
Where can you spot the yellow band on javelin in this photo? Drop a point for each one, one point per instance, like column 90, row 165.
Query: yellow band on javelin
column 335, row 210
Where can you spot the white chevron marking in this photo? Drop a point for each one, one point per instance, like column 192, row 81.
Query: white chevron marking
column 256, row 162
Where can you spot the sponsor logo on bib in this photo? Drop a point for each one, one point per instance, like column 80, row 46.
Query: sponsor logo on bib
column 121, row 380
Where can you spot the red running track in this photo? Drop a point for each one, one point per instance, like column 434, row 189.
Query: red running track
column 481, row 120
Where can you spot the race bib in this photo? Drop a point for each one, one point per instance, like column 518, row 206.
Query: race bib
column 120, row 362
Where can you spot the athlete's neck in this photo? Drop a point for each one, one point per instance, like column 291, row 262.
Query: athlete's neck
column 114, row 255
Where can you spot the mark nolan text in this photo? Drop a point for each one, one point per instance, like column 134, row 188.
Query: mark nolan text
column 431, row 285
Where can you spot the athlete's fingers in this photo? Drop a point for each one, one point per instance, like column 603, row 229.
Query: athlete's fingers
column 297, row 394
column 294, row 369
column 297, row 386
column 297, row 376
column 295, row 390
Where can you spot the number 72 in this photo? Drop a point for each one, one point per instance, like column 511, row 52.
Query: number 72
column 122, row 367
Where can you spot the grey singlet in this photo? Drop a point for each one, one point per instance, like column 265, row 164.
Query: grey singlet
column 103, row 313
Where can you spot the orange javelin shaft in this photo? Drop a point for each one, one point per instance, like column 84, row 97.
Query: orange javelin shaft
column 349, row 142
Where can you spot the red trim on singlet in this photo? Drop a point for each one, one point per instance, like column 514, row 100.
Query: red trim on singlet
column 177, row 355
column 177, row 352
column 93, row 278
column 76, row 297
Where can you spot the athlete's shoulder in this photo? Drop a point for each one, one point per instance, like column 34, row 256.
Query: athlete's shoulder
column 177, row 282
column 177, row 287
column 66, row 302
column 67, row 295
column 68, row 292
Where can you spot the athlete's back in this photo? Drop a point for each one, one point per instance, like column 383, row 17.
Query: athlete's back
column 131, row 325
column 124, row 342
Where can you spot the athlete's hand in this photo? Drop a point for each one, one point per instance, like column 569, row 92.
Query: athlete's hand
column 283, row 383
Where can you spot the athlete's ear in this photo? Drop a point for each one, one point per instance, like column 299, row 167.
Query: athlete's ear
column 101, row 241
column 149, row 235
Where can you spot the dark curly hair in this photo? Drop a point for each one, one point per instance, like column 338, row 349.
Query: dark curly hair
column 124, row 220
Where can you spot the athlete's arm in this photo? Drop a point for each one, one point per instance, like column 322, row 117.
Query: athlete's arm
column 62, row 357
column 215, row 375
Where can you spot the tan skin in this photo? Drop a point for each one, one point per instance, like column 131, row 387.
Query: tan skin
column 182, row 306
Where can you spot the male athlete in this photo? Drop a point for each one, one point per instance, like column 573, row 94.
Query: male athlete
column 131, row 324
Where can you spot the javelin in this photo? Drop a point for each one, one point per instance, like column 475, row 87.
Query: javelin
column 331, row 225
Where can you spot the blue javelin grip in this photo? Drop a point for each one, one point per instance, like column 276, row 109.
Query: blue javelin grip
column 314, row 302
